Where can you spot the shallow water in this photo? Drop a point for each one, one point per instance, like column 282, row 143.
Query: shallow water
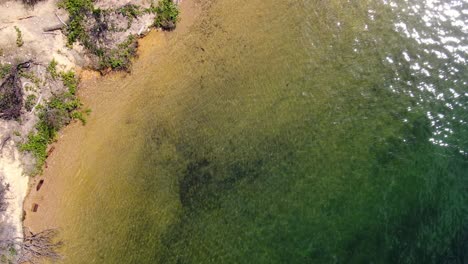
column 282, row 132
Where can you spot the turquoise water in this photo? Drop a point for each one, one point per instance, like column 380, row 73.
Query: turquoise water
column 289, row 132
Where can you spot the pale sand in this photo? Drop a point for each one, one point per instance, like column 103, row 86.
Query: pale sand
column 12, row 171
column 37, row 45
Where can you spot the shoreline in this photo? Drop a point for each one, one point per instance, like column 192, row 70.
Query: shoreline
column 15, row 165
column 66, row 162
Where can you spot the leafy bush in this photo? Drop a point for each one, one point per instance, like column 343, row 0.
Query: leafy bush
column 120, row 58
column 130, row 11
column 57, row 113
column 30, row 100
column 19, row 37
column 77, row 10
column 167, row 15
column 52, row 69
column 4, row 70
column 70, row 81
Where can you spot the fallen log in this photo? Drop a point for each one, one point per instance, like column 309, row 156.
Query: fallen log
column 53, row 27
column 26, row 17
column 39, row 185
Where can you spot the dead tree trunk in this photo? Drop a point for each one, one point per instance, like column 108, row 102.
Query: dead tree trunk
column 11, row 93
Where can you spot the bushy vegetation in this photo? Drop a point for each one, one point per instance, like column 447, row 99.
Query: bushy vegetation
column 52, row 69
column 60, row 110
column 19, row 37
column 78, row 9
column 167, row 15
column 120, row 58
column 70, row 81
column 31, row 76
column 4, row 70
column 93, row 38
column 130, row 11
column 29, row 103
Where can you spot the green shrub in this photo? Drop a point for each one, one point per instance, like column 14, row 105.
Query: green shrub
column 167, row 14
column 19, row 37
column 57, row 113
column 130, row 10
column 120, row 58
column 77, row 10
column 52, row 69
column 30, row 101
column 37, row 142
column 4, row 70
column 32, row 77
column 70, row 81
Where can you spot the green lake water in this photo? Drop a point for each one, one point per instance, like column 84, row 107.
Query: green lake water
column 285, row 132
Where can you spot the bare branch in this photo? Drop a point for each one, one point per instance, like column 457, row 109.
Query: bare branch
column 35, row 247
column 60, row 19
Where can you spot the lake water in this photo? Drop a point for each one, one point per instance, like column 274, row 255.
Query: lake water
column 281, row 132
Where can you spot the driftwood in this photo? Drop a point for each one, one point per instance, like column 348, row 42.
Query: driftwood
column 39, row 185
column 35, row 247
column 61, row 21
column 53, row 27
column 26, row 17
column 11, row 92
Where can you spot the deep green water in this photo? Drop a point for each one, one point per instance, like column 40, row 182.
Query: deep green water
column 289, row 132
